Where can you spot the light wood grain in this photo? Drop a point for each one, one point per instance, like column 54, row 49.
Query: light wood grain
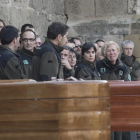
column 65, row 135
column 53, row 90
column 54, row 110
column 54, row 105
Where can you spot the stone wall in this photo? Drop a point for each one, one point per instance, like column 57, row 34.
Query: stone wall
column 40, row 13
column 90, row 19
column 114, row 20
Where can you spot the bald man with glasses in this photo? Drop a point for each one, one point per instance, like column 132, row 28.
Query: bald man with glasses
column 28, row 40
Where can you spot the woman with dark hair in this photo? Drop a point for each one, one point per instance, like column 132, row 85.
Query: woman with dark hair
column 86, row 68
column 72, row 58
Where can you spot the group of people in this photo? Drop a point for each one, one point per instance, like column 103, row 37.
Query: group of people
column 23, row 56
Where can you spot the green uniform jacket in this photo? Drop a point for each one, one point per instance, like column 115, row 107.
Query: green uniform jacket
column 26, row 58
column 119, row 71
column 134, row 66
column 10, row 65
column 87, row 71
column 46, row 62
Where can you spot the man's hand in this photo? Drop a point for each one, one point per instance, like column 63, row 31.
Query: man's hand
column 66, row 64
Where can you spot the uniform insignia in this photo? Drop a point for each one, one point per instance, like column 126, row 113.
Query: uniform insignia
column 102, row 70
column 129, row 77
column 120, row 72
column 25, row 62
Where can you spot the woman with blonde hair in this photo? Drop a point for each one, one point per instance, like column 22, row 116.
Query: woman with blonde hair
column 111, row 67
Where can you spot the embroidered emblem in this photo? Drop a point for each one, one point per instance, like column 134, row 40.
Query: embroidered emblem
column 102, row 70
column 25, row 62
column 120, row 72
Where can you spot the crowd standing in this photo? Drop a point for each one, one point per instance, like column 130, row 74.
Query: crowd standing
column 24, row 56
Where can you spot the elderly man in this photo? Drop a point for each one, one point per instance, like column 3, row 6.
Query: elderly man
column 129, row 59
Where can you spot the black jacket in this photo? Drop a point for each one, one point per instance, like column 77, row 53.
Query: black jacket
column 133, row 65
column 46, row 62
column 108, row 71
column 26, row 58
column 10, row 64
column 87, row 71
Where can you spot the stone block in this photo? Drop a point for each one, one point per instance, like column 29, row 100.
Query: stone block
column 135, row 28
column 116, row 38
column 48, row 6
column 118, row 29
column 18, row 17
column 58, row 7
column 132, row 6
column 93, row 38
column 80, row 8
column 109, row 7
column 42, row 25
column 41, row 5
column 4, row 1
column 120, row 19
column 20, row 3
column 4, row 14
column 98, row 27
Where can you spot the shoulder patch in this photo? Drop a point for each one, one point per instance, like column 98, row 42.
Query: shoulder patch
column 121, row 73
column 25, row 62
column 129, row 77
column 102, row 70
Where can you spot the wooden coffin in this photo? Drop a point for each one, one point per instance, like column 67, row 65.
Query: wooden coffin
column 125, row 106
column 54, row 111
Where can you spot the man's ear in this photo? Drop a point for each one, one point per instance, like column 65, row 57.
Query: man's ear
column 14, row 40
column 59, row 37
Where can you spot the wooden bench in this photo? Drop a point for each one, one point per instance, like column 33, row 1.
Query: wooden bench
column 54, row 110
column 125, row 106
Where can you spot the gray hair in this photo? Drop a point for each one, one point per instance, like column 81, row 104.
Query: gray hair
column 127, row 42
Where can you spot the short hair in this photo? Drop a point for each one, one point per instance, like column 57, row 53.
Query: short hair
column 26, row 25
column 73, row 51
column 73, row 38
column 2, row 22
column 87, row 46
column 8, row 33
column 66, row 47
column 107, row 45
column 55, row 29
column 127, row 42
column 99, row 40
column 28, row 30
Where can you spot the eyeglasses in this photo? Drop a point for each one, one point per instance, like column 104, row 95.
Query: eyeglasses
column 28, row 39
column 76, row 45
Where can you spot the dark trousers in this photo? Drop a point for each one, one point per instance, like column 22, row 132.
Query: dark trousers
column 123, row 136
